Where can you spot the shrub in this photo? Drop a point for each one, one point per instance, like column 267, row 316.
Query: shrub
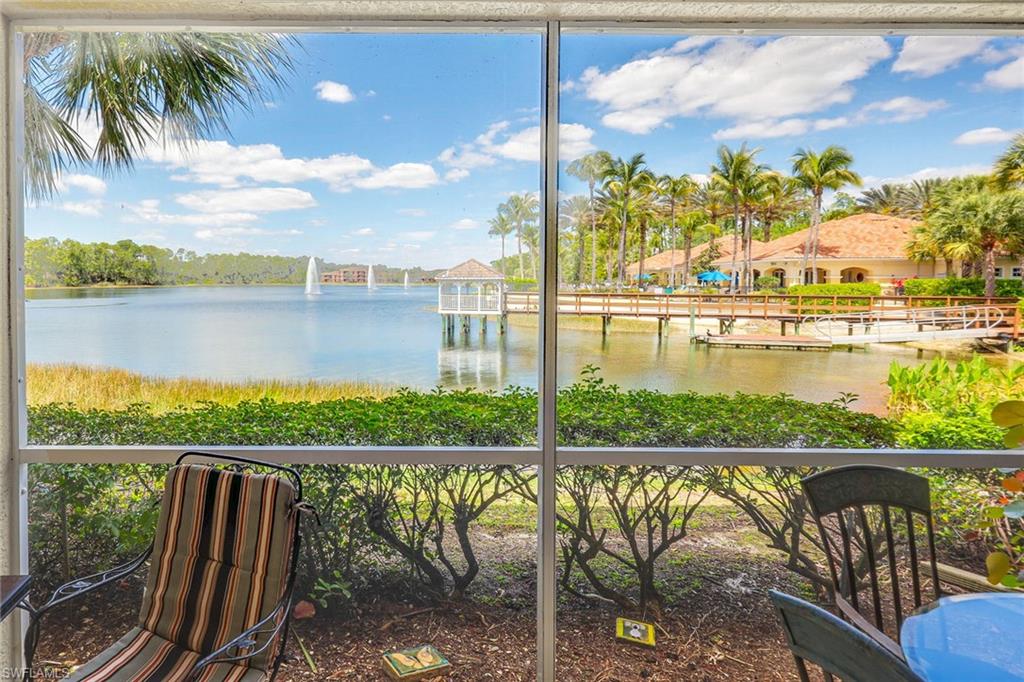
column 766, row 283
column 844, row 289
column 851, row 294
column 960, row 286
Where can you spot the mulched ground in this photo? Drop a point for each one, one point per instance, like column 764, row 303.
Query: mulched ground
column 718, row 623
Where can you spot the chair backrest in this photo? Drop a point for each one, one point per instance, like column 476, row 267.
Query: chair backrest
column 870, row 519
column 814, row 635
column 221, row 556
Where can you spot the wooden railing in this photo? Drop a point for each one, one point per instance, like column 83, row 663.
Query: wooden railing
column 794, row 307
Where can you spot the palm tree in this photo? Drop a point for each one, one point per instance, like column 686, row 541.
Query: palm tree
column 886, row 199
column 591, row 169
column 677, row 192
column 731, row 171
column 916, row 198
column 501, row 226
column 781, row 195
column 522, row 210
column 531, row 235
column 1009, row 167
column 576, row 211
column 974, row 220
column 646, row 208
column 817, row 173
column 694, row 224
column 622, row 181
column 138, row 88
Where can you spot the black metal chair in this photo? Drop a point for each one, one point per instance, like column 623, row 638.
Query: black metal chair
column 219, row 591
column 816, row 636
column 868, row 515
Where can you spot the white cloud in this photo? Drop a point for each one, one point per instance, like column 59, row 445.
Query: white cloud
column 231, row 235
column 500, row 142
column 760, row 130
column 250, row 200
column 148, row 211
column 989, row 135
column 1008, row 76
column 930, row 55
column 91, row 207
column 364, row 232
column 89, row 183
column 330, row 91
column 456, row 174
column 417, row 235
column 902, row 109
column 739, row 78
column 414, row 212
column 400, row 175
column 465, row 224
column 895, row 110
column 221, row 163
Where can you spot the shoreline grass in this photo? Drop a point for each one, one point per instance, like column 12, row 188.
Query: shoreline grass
column 110, row 388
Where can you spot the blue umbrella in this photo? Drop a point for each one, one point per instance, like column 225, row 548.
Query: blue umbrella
column 713, row 276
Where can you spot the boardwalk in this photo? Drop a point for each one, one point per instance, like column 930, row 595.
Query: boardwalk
column 863, row 319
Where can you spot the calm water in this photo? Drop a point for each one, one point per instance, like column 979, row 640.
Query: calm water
column 393, row 336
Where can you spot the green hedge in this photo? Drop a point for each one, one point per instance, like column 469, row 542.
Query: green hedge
column 590, row 413
column 960, row 286
column 849, row 289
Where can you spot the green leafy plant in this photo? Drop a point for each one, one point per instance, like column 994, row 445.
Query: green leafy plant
column 1004, row 517
column 334, row 589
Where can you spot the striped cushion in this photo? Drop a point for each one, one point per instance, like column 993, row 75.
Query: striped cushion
column 141, row 656
column 219, row 566
column 220, row 556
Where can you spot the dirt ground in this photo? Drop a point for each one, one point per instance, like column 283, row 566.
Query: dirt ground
column 717, row 625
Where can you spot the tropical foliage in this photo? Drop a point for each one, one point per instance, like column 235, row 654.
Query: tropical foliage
column 137, row 89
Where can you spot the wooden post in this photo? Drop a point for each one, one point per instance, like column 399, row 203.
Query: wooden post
column 1016, row 322
column 782, row 325
column 606, row 320
column 483, row 326
column 503, row 324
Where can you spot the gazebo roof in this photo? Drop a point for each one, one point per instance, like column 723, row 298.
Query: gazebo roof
column 472, row 270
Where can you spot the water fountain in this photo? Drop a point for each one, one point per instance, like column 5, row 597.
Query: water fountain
column 371, row 281
column 312, row 278
column 405, row 283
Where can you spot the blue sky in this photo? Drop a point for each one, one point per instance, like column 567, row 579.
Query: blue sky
column 397, row 148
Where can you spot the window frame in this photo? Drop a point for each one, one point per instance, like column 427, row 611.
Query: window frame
column 547, row 455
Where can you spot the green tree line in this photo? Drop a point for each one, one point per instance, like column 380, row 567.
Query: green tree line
column 53, row 262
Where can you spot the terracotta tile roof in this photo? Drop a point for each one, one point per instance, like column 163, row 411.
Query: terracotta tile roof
column 663, row 261
column 471, row 269
column 864, row 235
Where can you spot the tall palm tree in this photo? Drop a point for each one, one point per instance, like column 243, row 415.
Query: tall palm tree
column 501, row 226
column 1009, row 167
column 731, row 171
column 139, row 88
column 646, row 209
column 916, row 199
column 622, row 181
column 694, row 224
column 575, row 211
column 591, row 169
column 677, row 192
column 522, row 210
column 829, row 170
column 531, row 236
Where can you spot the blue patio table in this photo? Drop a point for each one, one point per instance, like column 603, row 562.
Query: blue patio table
column 967, row 638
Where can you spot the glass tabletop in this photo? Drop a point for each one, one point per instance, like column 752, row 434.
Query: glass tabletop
column 966, row 638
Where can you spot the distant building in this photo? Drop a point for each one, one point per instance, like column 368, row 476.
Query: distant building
column 354, row 275
column 864, row 247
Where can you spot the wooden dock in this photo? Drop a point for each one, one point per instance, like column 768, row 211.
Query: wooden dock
column 765, row 341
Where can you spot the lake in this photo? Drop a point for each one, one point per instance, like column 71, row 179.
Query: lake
column 393, row 336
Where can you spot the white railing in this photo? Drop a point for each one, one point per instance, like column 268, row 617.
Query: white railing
column 911, row 324
column 470, row 302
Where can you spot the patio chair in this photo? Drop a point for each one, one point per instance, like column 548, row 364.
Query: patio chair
column 814, row 635
column 219, row 591
column 866, row 514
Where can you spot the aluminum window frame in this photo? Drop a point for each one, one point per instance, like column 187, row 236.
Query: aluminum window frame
column 547, row 455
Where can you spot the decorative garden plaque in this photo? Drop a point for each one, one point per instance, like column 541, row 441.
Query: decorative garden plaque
column 412, row 664
column 634, row 632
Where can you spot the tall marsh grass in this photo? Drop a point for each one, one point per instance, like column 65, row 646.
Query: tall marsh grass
column 114, row 389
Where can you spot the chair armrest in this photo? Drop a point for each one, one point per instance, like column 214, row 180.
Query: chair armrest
column 854, row 616
column 248, row 638
column 84, row 585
